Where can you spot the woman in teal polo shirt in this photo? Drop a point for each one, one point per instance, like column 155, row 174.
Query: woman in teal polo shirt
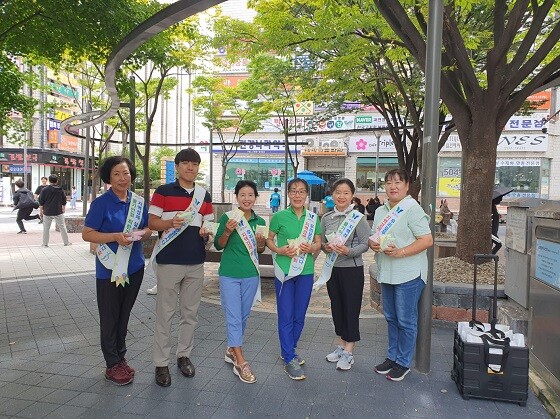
column 239, row 273
column 298, row 235
column 401, row 235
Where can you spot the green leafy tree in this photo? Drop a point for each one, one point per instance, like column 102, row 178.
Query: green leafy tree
column 229, row 112
column 345, row 53
column 16, row 108
column 153, row 66
column 495, row 54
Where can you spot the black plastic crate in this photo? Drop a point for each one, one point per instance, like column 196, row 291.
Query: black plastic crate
column 474, row 379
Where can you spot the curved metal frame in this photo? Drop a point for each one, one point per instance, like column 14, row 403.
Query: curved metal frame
column 162, row 20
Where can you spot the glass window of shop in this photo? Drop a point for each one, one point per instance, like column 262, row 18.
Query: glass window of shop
column 366, row 176
column 266, row 173
column 449, row 177
column 523, row 175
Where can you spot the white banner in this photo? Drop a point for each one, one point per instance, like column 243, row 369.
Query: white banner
column 368, row 144
column 508, row 141
column 528, row 123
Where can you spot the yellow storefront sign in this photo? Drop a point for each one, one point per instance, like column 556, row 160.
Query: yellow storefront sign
column 449, row 186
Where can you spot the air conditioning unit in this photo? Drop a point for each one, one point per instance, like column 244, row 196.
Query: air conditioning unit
column 337, row 143
column 324, row 143
column 310, row 142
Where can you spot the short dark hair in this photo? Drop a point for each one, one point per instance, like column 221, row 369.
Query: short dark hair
column 187, row 154
column 109, row 163
column 243, row 183
column 298, row 180
column 400, row 173
column 44, row 177
column 344, row 181
column 53, row 179
column 19, row 183
column 275, row 189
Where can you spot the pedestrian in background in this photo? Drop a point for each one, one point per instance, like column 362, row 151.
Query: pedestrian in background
column 344, row 269
column 42, row 186
column 328, row 201
column 401, row 235
column 275, row 201
column 52, row 205
column 74, row 197
column 372, row 205
column 25, row 204
column 116, row 221
column 177, row 211
column 239, row 273
column 358, row 205
column 294, row 236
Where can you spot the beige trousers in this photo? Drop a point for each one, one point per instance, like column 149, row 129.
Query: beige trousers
column 183, row 282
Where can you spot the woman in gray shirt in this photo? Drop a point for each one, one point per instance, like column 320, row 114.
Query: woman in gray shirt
column 345, row 235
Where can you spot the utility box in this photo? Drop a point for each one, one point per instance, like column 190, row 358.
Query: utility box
column 518, row 242
column 544, row 297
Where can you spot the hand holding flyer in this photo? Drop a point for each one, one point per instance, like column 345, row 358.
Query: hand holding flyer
column 335, row 239
column 211, row 227
column 186, row 215
column 386, row 240
column 236, row 215
column 262, row 230
column 135, row 235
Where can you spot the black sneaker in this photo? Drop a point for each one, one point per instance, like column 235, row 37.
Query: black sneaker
column 384, row 367
column 397, row 373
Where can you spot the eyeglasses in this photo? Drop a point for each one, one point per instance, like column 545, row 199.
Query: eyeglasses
column 298, row 192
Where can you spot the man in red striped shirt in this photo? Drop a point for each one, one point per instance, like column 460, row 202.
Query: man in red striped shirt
column 177, row 211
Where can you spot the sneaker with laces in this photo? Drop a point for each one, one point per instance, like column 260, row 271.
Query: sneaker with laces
column 152, row 291
column 335, row 355
column 345, row 362
column 118, row 375
column 294, row 370
column 384, row 367
column 230, row 356
column 397, row 373
column 244, row 373
column 127, row 367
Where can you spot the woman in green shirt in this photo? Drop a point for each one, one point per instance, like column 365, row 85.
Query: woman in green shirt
column 239, row 272
column 295, row 234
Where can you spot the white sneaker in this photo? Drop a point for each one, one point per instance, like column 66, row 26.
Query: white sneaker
column 152, row 291
column 336, row 354
column 345, row 362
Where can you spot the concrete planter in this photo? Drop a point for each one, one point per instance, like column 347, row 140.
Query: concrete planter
column 451, row 301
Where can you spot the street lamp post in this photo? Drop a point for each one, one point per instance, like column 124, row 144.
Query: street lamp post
column 378, row 136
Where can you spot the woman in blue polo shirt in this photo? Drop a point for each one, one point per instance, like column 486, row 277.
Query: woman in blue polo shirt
column 239, row 272
column 116, row 221
column 295, row 234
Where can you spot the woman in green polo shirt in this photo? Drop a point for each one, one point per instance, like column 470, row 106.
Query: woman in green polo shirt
column 239, row 273
column 295, row 234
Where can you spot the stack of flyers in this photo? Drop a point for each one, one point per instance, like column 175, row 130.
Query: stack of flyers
column 262, row 230
column 135, row 235
column 335, row 239
column 186, row 215
column 236, row 215
column 211, row 227
column 386, row 240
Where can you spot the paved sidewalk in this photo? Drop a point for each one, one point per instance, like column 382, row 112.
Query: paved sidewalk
column 51, row 364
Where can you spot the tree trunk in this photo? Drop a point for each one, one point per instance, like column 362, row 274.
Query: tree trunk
column 478, row 174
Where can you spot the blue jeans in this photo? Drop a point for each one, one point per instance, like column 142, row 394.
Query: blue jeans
column 400, row 308
column 292, row 299
column 237, row 295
